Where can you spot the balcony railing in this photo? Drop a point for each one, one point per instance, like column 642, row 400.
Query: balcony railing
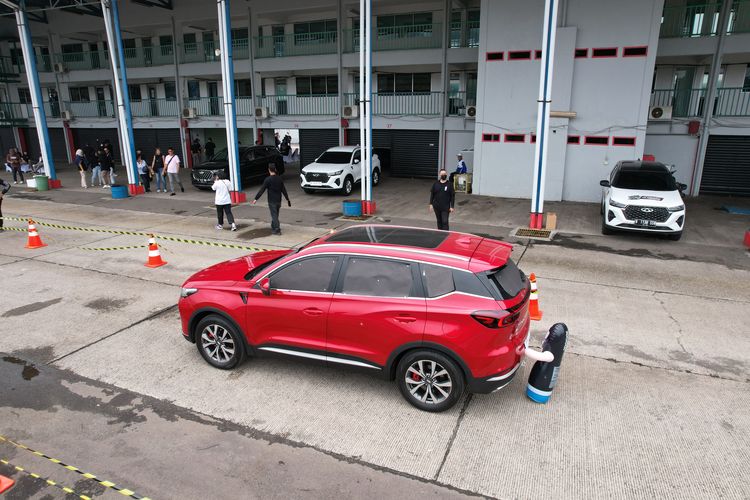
column 199, row 52
column 299, row 105
column 402, row 103
column 73, row 61
column 155, row 107
column 414, row 36
column 91, row 109
column 687, row 21
column 464, row 34
column 690, row 103
column 9, row 67
column 303, row 44
column 459, row 101
column 158, row 55
column 207, row 106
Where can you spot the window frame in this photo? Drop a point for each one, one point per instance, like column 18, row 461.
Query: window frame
column 333, row 280
column 423, row 266
column 416, row 292
column 78, row 95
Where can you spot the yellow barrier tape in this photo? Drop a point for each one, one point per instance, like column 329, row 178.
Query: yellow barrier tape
column 106, row 249
column 50, row 482
column 10, row 228
column 108, row 484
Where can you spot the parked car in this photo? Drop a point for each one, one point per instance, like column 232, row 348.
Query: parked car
column 643, row 196
column 337, row 169
column 254, row 163
column 436, row 311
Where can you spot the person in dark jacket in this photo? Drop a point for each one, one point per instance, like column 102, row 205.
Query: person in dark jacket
column 5, row 187
column 442, row 200
column 275, row 186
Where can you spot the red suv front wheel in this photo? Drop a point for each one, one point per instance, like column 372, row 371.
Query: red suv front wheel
column 429, row 380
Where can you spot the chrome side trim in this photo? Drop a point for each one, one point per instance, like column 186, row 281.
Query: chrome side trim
column 319, row 357
column 503, row 377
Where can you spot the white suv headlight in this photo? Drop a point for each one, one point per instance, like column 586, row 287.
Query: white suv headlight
column 617, row 204
column 337, row 172
column 678, row 208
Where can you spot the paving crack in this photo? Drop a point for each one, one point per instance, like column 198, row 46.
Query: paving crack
column 680, row 332
column 453, row 435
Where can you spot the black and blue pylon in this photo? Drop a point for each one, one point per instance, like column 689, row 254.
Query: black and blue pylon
column 544, row 373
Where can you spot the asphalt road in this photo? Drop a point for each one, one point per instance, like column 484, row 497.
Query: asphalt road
column 651, row 401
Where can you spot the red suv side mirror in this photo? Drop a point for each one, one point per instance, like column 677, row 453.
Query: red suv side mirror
column 265, row 286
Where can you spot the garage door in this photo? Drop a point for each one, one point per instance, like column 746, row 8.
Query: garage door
column 726, row 169
column 32, row 141
column 83, row 136
column 147, row 140
column 59, row 149
column 414, row 153
column 313, row 142
column 7, row 140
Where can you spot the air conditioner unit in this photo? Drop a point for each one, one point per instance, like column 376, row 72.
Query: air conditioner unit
column 261, row 112
column 350, row 112
column 66, row 115
column 60, row 68
column 471, row 112
column 189, row 113
column 660, row 113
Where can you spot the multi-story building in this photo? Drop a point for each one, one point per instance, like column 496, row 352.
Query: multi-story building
column 447, row 76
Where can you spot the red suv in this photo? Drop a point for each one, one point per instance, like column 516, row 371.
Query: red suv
column 439, row 311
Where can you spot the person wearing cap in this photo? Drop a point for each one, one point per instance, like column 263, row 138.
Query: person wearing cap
column 461, row 167
column 80, row 162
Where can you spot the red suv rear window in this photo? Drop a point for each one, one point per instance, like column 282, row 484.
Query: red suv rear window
column 509, row 281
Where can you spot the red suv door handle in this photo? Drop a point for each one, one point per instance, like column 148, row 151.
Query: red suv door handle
column 402, row 318
column 312, row 311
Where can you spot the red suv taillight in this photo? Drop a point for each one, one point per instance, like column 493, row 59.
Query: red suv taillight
column 494, row 319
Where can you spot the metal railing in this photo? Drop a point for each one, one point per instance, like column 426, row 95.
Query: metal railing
column 687, row 21
column 199, row 52
column 7, row 66
column 157, row 55
column 299, row 105
column 240, row 48
column 414, row 36
column 303, row 44
column 155, row 107
column 91, row 109
column 402, row 103
column 13, row 112
column 459, row 101
column 207, row 106
column 73, row 61
column 734, row 101
column 464, row 34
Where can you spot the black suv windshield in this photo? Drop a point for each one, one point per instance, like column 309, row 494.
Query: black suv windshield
column 334, row 157
column 220, row 155
column 644, row 180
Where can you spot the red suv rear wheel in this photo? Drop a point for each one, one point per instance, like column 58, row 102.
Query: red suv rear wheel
column 429, row 380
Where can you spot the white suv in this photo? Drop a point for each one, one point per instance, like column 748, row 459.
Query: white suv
column 337, row 169
column 642, row 196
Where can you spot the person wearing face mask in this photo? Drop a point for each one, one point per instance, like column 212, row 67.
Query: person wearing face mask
column 442, row 200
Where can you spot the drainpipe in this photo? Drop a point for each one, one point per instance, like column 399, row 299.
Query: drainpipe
column 227, row 80
column 37, row 103
column 708, row 106
column 251, row 55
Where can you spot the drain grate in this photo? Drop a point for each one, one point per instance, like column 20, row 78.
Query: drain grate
column 536, row 234
column 357, row 218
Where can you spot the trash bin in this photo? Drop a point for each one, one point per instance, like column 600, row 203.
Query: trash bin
column 119, row 191
column 42, row 182
column 352, row 208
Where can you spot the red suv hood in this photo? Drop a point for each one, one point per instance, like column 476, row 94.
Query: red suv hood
column 236, row 269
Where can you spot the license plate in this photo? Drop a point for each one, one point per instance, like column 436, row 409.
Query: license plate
column 642, row 222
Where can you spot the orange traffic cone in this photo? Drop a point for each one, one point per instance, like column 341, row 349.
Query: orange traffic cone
column 154, row 257
column 534, row 312
column 34, row 240
column 6, row 483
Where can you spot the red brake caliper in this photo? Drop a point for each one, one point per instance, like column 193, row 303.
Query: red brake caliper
column 415, row 377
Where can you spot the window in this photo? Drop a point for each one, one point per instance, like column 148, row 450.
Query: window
column 623, row 141
column 635, row 51
column 317, row 85
column 357, row 156
column 306, row 275
column 315, row 32
column 574, row 139
column 190, row 45
column 580, row 53
column 239, row 33
column 71, row 48
column 490, row 137
column 437, row 280
column 194, row 89
column 377, row 277
column 16, row 56
column 746, row 84
column 24, row 96
column 595, row 140
column 260, row 37
column 134, row 91
column 405, row 25
column 128, row 43
column 79, row 94
column 515, row 138
column 404, row 83
column 165, row 41
column 243, row 88
column 509, row 280
column 170, row 91
column 519, row 55
column 495, row 56
column 604, row 52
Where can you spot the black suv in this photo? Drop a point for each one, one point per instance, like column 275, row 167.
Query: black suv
column 254, row 162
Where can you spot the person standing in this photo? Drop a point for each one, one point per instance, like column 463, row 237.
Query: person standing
column 275, row 186
column 196, row 149
column 5, row 188
column 442, row 200
column 105, row 163
column 14, row 160
column 80, row 162
column 223, row 201
column 143, row 170
column 461, row 167
column 172, row 169
column 157, row 170
column 209, row 148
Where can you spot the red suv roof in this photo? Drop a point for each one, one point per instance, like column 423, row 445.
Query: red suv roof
column 449, row 248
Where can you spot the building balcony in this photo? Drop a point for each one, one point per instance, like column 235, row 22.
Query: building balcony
column 688, row 103
column 18, row 113
column 409, row 37
column 11, row 70
column 91, row 109
column 700, row 20
column 79, row 61
column 402, row 103
column 464, row 34
column 303, row 44
column 142, row 57
column 459, row 101
column 300, row 105
column 152, row 108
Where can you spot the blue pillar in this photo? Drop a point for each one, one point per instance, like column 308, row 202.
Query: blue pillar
column 37, row 102
column 227, row 76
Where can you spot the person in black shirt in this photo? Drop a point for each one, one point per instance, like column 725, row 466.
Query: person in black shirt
column 5, row 188
column 275, row 186
column 209, row 148
column 442, row 200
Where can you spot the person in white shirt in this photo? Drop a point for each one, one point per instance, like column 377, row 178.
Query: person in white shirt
column 223, row 201
column 143, row 171
column 172, row 170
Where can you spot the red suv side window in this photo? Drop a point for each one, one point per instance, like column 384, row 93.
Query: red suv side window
column 308, row 275
column 377, row 277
